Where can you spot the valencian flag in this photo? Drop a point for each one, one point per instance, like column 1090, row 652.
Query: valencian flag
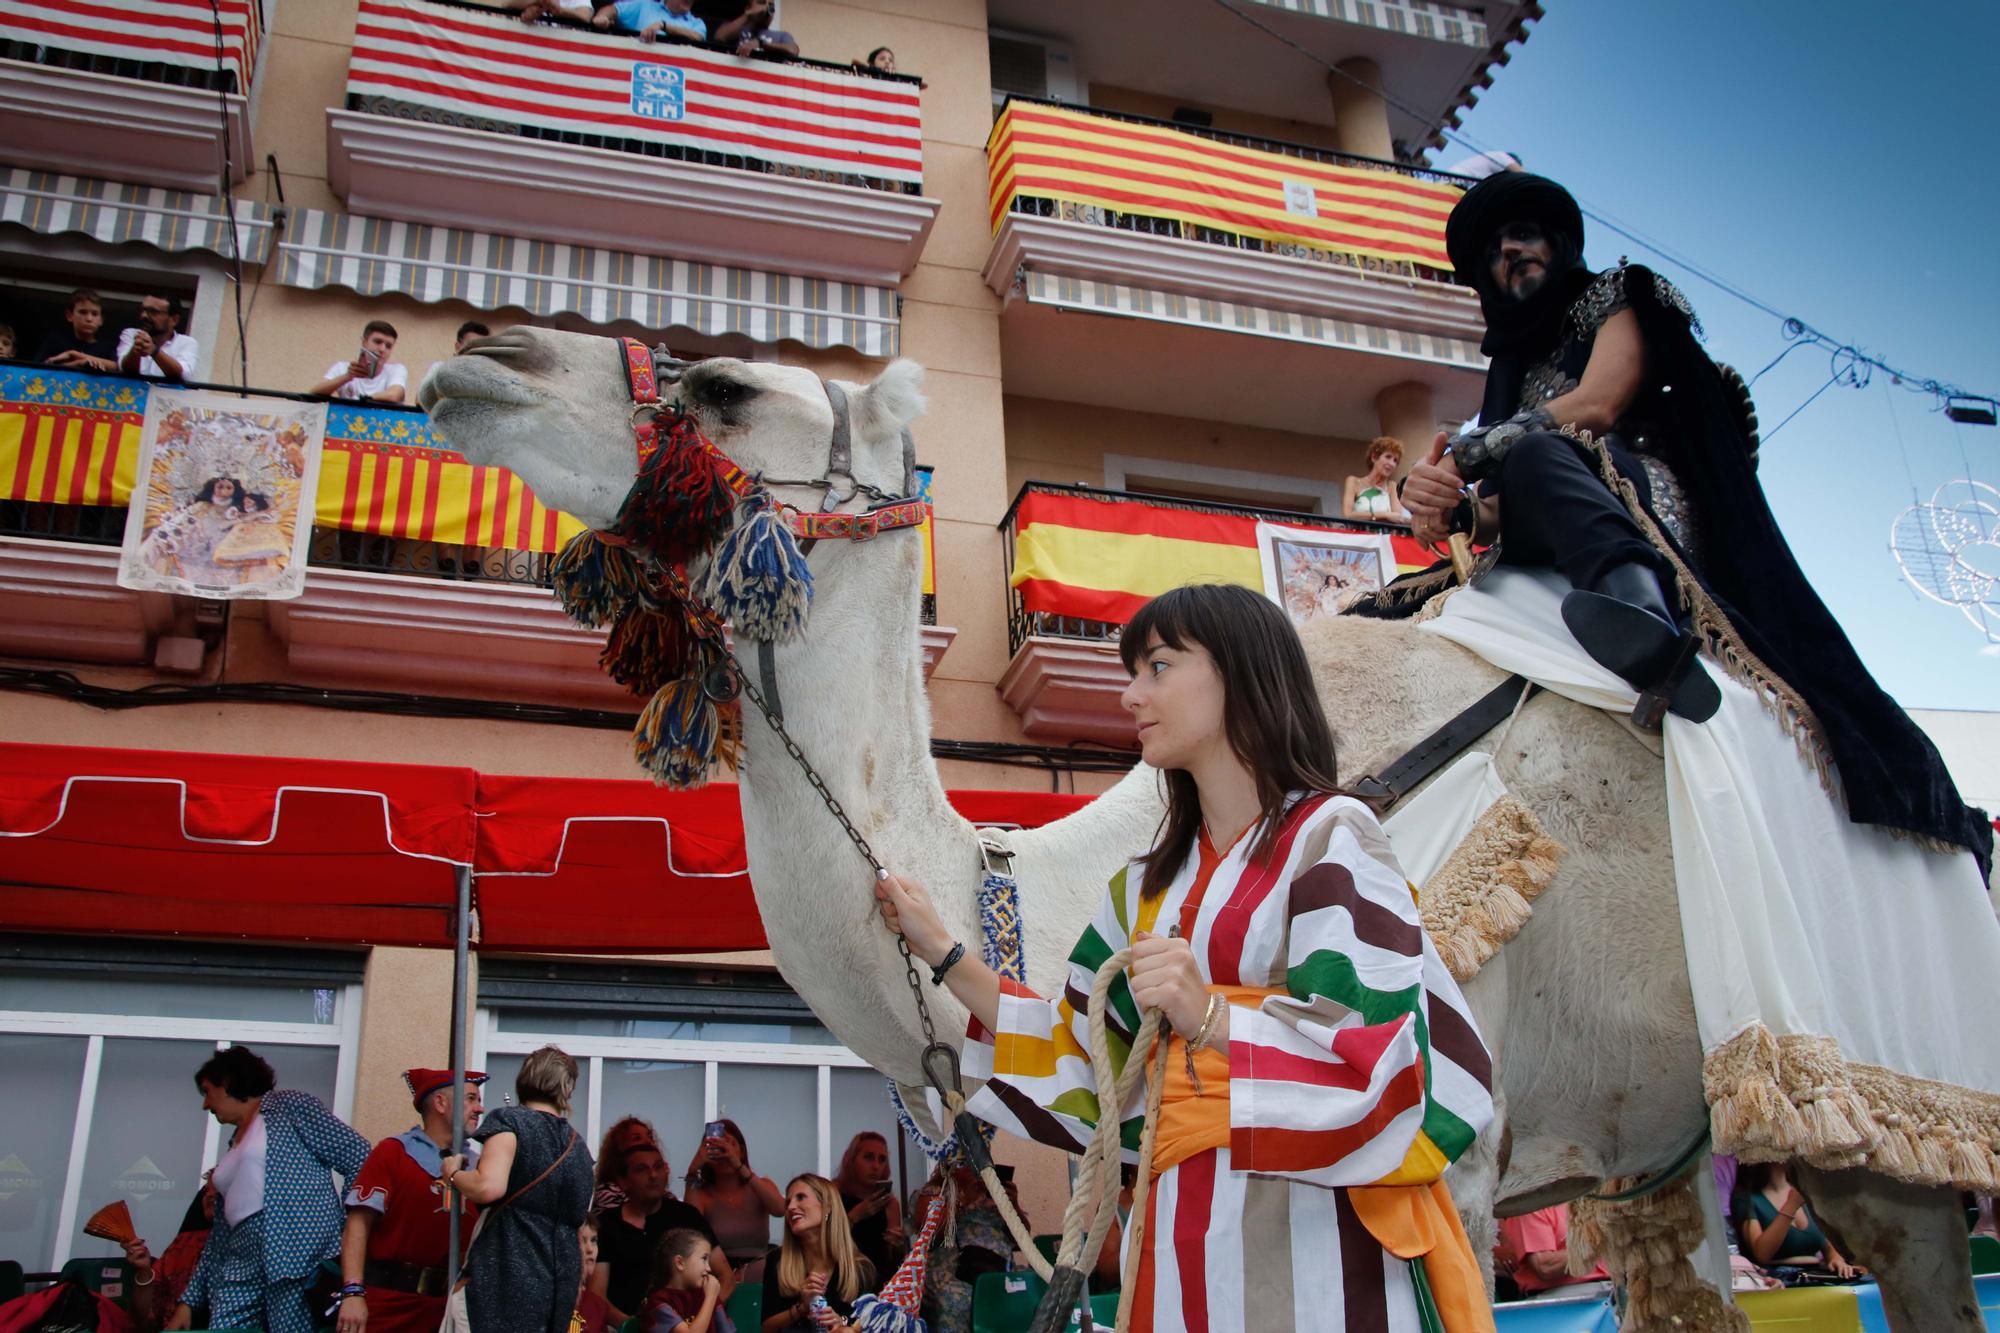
column 1099, row 557
column 1047, row 152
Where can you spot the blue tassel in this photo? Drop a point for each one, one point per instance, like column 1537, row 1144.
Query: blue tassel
column 872, row 1314
column 595, row 582
column 682, row 732
column 758, row 579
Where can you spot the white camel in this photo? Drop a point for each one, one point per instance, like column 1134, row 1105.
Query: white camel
column 1587, row 1010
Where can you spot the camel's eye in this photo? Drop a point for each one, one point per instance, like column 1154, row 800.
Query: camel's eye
column 723, row 392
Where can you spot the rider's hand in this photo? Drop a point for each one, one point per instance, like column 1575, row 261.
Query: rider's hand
column 1166, row 977
column 1431, row 491
column 353, row 1315
column 907, row 909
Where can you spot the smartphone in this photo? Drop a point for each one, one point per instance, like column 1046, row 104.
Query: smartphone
column 712, row 1130
column 372, row 359
column 884, row 1186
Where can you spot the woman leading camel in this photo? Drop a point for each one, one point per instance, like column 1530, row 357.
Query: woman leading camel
column 1324, row 1070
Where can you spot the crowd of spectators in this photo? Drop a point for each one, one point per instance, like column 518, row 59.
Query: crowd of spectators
column 750, row 33
column 154, row 346
column 553, row 1240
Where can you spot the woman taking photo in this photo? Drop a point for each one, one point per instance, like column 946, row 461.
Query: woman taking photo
column 532, row 1185
column 1317, row 1043
column 737, row 1202
column 868, row 1192
column 812, row 1279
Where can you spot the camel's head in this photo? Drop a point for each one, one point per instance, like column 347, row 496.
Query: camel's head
column 556, row 409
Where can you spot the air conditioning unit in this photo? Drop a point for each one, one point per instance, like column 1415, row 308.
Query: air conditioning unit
column 1025, row 65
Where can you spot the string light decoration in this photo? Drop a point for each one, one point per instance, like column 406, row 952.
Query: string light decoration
column 1949, row 549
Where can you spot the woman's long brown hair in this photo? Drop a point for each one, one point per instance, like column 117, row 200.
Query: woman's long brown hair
column 1270, row 711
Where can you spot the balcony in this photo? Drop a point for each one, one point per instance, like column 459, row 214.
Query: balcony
column 1303, row 281
column 458, row 115
column 135, row 92
column 427, row 573
column 1081, row 560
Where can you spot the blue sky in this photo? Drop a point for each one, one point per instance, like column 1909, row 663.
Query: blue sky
column 1826, row 158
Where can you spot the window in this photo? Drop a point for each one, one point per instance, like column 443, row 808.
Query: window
column 679, row 1049
column 100, row 1042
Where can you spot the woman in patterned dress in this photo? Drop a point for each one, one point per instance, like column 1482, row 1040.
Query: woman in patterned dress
column 1323, row 1068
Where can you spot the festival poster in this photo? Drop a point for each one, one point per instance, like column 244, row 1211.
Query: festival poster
column 223, row 502
column 1314, row 572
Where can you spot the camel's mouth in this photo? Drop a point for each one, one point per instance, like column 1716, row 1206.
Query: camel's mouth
column 471, row 379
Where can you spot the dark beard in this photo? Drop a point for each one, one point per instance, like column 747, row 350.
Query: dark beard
column 1525, row 286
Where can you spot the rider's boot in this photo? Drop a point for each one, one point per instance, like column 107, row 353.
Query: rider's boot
column 1624, row 623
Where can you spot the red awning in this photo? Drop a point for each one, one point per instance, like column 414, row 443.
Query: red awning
column 155, row 842
column 233, row 846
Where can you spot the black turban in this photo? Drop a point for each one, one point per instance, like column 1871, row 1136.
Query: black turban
column 1523, row 329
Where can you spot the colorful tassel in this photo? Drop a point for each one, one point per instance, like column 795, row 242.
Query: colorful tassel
column 647, row 648
column 895, row 1310
column 758, row 579
column 682, row 732
column 681, row 504
column 595, row 581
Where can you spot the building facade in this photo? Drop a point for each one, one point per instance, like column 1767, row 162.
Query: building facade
column 1169, row 270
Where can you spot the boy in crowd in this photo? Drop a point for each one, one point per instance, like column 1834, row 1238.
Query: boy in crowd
column 370, row 377
column 83, row 346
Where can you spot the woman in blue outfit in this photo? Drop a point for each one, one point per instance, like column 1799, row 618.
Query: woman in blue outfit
column 277, row 1213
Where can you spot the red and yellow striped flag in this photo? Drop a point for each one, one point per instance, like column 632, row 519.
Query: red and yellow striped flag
column 428, row 494
column 1048, row 152
column 67, row 439
column 1102, row 559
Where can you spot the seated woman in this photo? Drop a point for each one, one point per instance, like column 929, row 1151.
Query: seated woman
column 738, row 1203
column 1771, row 1217
column 874, row 1214
column 811, row 1280
column 1373, row 495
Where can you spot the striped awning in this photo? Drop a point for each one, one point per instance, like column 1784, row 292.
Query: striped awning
column 1107, row 298
column 372, row 256
column 113, row 212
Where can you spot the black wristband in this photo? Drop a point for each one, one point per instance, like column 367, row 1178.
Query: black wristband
column 950, row 961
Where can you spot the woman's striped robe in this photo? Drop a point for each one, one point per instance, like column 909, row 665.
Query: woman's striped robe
column 1352, row 1061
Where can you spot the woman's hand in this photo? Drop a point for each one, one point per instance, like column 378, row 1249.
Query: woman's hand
column 353, row 1315
column 815, row 1286
column 1166, row 977
column 869, row 1206
column 141, row 1258
column 450, row 1165
column 907, row 910
column 180, row 1320
column 1841, row 1268
column 826, row 1317
column 1795, row 1203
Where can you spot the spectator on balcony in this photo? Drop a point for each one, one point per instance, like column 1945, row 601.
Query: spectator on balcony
column 535, row 10
column 371, row 377
column 6, row 342
column 157, row 347
column 1373, row 495
column 84, row 346
column 882, row 60
column 750, row 33
column 650, row 18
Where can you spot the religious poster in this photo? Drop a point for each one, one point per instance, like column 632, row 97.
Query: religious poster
column 223, row 502
column 1314, row 572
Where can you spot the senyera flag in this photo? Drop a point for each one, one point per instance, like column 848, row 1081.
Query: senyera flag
column 1102, row 557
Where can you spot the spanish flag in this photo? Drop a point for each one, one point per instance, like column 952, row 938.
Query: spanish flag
column 1102, row 558
column 1047, row 152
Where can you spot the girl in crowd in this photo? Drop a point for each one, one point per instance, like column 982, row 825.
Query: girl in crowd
column 593, row 1312
column 1776, row 1228
column 874, row 1214
column 277, row 1212
column 738, row 1203
column 813, row 1278
column 1316, row 1042
column 526, row 1263
column 686, row 1294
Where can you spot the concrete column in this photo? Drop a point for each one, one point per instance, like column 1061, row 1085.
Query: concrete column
column 405, row 1024
column 1360, row 116
column 1409, row 413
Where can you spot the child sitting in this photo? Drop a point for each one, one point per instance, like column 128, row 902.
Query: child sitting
column 685, row 1293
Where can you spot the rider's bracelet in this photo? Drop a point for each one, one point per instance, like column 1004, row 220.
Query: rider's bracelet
column 1200, row 1040
column 351, row 1289
column 950, row 961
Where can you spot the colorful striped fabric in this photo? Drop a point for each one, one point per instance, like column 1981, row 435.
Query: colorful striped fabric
column 1100, row 558
column 1353, row 1060
column 166, row 32
column 1047, row 152
column 72, row 438
column 490, row 66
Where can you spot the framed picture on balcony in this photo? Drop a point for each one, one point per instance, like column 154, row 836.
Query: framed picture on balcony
column 222, row 506
column 1314, row 572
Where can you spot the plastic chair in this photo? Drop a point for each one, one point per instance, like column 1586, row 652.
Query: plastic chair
column 1005, row 1302
column 109, row 1278
column 631, row 1325
column 13, row 1280
column 1985, row 1255
column 746, row 1307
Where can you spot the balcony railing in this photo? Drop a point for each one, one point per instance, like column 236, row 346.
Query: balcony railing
column 1048, row 159
column 159, row 41
column 1080, row 559
column 455, row 63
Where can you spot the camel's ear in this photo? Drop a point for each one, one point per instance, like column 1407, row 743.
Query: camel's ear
column 892, row 401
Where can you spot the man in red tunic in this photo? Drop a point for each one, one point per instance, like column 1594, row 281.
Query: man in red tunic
column 399, row 1218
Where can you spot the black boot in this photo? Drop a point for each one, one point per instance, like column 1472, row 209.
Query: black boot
column 1624, row 623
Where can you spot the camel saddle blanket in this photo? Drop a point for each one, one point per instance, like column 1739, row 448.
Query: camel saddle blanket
column 1839, row 972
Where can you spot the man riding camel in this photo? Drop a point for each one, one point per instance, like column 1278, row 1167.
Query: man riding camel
column 1684, row 552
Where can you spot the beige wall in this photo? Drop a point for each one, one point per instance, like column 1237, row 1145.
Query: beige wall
column 1110, row 97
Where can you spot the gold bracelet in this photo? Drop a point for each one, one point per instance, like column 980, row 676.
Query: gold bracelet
column 1201, row 1036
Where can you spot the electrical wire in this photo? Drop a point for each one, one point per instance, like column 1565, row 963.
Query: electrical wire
column 228, row 193
column 1793, row 328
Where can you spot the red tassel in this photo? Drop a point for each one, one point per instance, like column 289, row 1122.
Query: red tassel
column 682, row 505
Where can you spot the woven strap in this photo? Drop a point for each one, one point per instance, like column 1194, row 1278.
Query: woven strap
column 859, row 527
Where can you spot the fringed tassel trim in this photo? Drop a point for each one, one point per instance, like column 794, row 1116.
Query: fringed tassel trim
column 1482, row 895
column 1644, row 1243
column 1772, row 1098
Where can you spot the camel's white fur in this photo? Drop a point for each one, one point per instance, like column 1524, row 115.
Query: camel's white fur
column 1588, row 1010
